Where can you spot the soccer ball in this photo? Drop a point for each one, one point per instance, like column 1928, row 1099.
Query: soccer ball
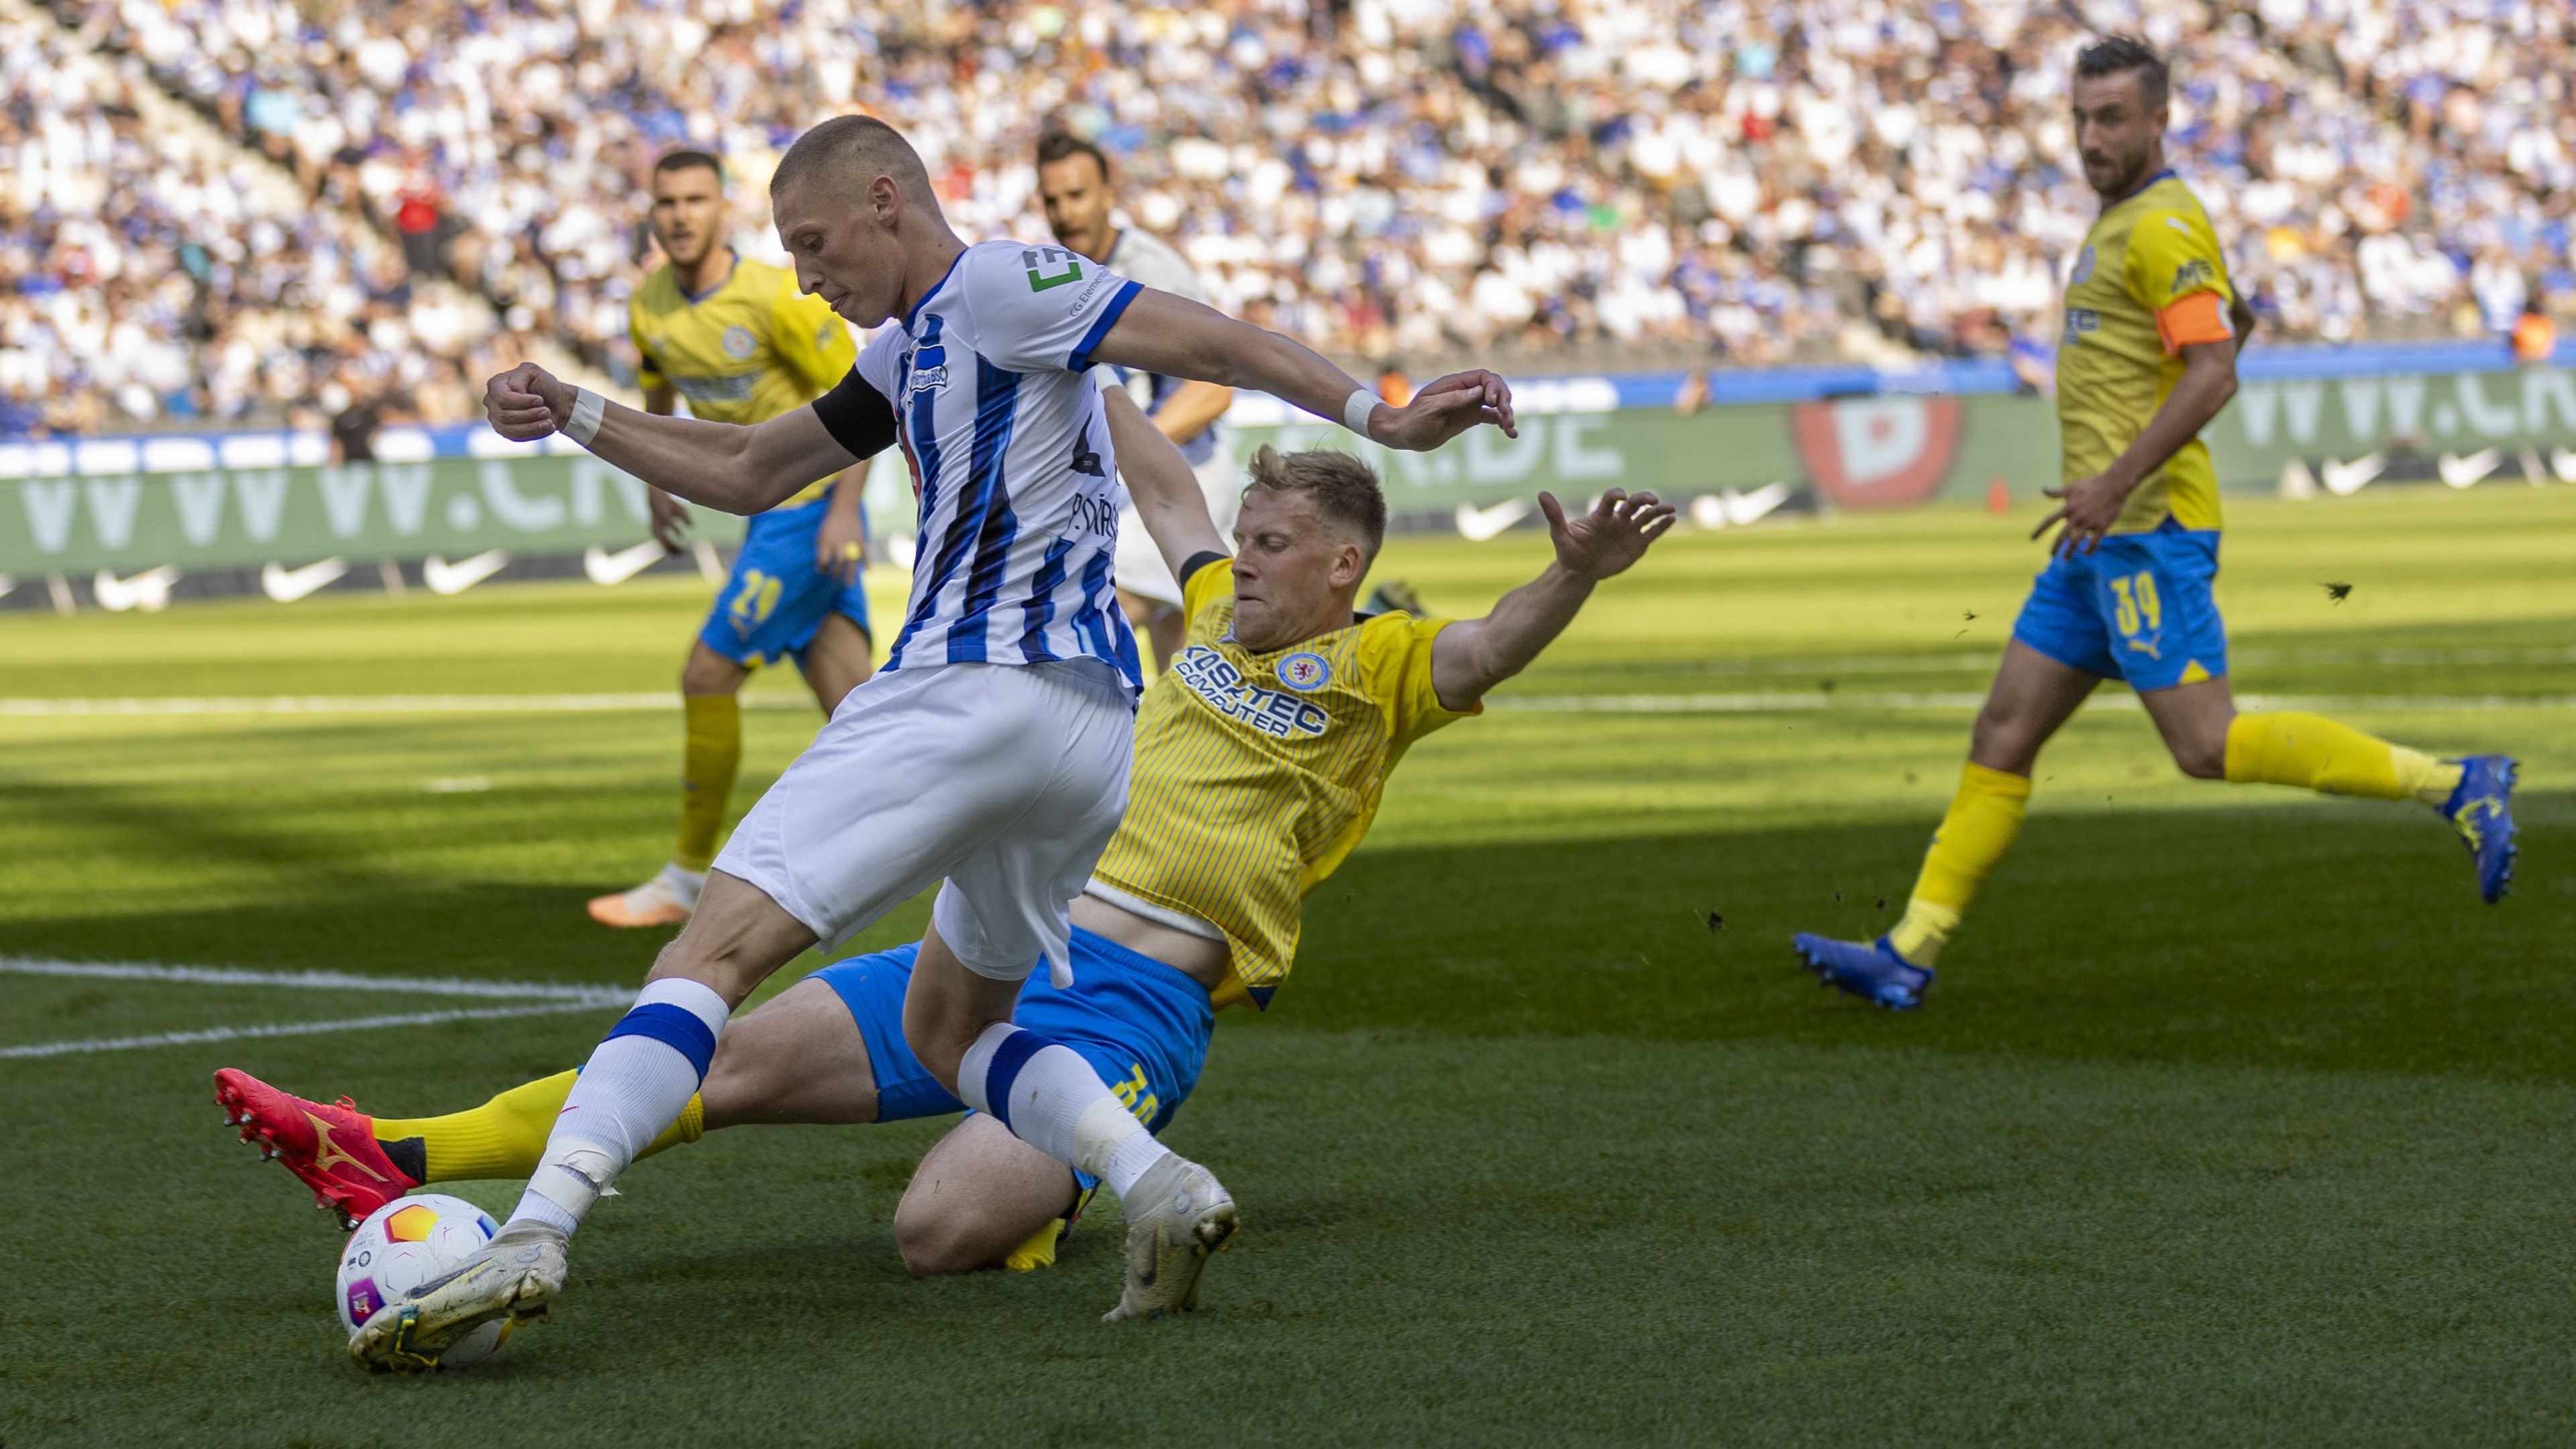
column 406, row 1243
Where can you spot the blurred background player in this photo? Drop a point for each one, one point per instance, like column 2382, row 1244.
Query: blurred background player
column 2148, row 357
column 1074, row 186
column 1197, row 904
column 736, row 339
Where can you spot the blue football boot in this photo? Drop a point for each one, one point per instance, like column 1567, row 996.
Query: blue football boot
column 2481, row 809
column 1873, row 971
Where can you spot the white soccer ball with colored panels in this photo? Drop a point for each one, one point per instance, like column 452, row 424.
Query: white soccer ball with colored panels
column 406, row 1243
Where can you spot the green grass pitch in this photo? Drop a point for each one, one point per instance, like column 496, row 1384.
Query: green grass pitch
column 2235, row 1117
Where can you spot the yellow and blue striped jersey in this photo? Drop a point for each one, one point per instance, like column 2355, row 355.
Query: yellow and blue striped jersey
column 753, row 348
column 2146, row 257
column 1256, row 774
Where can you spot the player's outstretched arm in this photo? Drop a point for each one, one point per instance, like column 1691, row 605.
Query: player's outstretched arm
column 738, row 469
column 1473, row 655
column 1160, row 484
column 1176, row 337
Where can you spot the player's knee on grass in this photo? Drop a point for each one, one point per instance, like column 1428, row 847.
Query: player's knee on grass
column 979, row 1194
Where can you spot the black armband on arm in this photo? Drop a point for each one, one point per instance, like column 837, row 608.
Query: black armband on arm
column 857, row 416
column 1198, row 561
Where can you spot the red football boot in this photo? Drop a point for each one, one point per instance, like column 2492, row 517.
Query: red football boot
column 330, row 1149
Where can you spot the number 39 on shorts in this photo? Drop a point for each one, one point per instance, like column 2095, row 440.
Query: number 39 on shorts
column 2137, row 604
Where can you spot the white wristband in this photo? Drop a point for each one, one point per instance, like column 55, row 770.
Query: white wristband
column 588, row 408
column 1356, row 409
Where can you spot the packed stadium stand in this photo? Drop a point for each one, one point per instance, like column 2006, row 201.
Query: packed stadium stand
column 1720, row 183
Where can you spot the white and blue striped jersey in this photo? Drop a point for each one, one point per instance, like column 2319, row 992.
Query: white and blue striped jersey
column 1010, row 455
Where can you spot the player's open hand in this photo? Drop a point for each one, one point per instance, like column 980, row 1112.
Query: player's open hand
column 1612, row 536
column 527, row 403
column 2090, row 507
column 1446, row 407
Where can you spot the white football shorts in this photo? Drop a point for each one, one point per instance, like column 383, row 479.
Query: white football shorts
column 1141, row 570
column 1004, row 780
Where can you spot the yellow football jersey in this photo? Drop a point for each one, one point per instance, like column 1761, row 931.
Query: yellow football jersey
column 1256, row 774
column 2114, row 365
column 751, row 349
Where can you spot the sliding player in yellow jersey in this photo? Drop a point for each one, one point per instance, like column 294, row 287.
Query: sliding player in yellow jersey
column 735, row 338
column 1260, row 759
column 2148, row 358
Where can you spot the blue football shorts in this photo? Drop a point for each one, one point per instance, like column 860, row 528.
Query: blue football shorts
column 1141, row 1024
column 777, row 599
column 2138, row 608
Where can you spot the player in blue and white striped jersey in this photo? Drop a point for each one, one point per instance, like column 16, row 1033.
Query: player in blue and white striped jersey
column 989, row 757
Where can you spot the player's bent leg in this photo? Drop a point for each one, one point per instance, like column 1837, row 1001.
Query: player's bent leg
column 2033, row 696
column 799, row 1058
column 837, row 660
column 2195, row 721
column 635, row 1086
column 710, row 758
column 2311, row 752
column 980, row 1196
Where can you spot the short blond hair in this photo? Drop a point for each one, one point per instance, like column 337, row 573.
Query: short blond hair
column 856, row 150
column 1344, row 489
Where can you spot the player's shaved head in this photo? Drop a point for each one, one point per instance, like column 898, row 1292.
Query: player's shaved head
column 848, row 154
column 855, row 210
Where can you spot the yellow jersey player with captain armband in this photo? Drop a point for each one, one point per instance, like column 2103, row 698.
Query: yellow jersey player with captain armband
column 2146, row 360
column 737, row 340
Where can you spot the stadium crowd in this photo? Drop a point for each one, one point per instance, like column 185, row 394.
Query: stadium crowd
column 1745, row 182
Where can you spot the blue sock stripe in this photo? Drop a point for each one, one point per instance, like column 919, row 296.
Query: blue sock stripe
column 672, row 1026
column 1004, row 1071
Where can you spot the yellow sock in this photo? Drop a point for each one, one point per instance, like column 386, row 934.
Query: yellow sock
column 708, row 763
column 504, row 1137
column 1984, row 817
column 2285, row 747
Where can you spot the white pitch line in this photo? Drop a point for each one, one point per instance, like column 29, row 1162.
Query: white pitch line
column 1985, row 660
column 1779, row 703
column 569, row 995
column 373, row 704
column 1744, row 703
column 298, row 1028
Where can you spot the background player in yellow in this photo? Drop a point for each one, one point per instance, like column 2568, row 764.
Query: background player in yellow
column 2147, row 358
column 735, row 338
column 1260, row 759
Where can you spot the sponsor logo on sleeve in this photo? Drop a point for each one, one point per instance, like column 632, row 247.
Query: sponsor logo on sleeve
column 2192, row 276
column 1042, row 264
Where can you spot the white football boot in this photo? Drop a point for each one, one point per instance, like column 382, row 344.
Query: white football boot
column 1178, row 1215
column 518, row 1277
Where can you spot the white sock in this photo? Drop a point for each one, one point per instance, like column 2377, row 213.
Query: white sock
column 634, row 1087
column 685, row 884
column 1052, row 1100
